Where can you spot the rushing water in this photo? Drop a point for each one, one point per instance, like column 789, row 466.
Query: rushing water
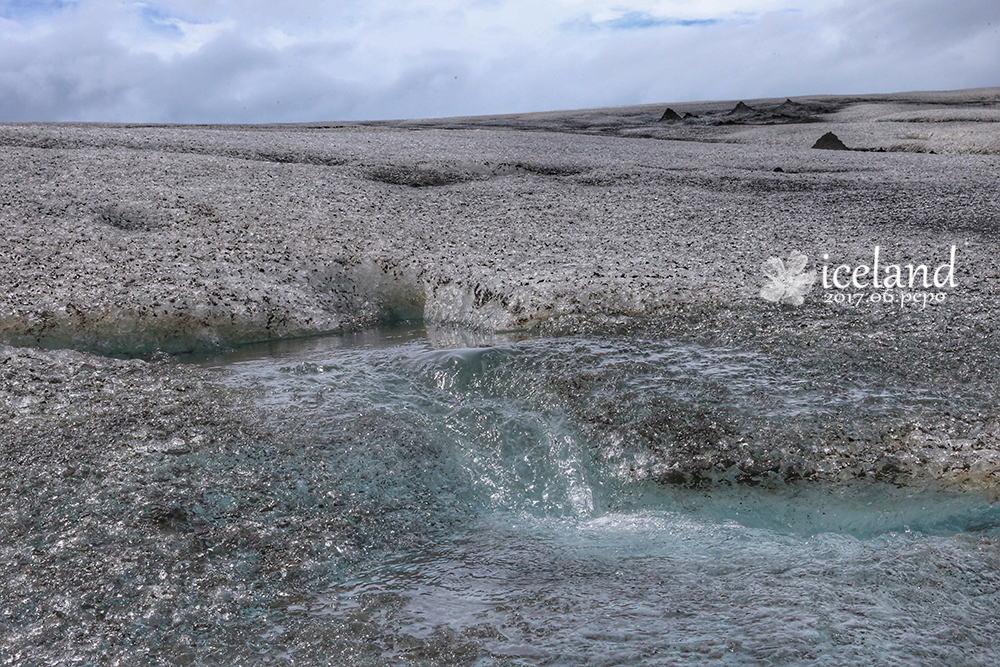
column 514, row 502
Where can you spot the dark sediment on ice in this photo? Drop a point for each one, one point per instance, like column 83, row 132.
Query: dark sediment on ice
column 129, row 240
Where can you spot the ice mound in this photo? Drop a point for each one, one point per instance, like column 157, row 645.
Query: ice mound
column 670, row 116
column 741, row 109
column 830, row 142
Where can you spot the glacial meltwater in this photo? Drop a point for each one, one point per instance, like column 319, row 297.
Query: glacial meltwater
column 431, row 496
column 586, row 500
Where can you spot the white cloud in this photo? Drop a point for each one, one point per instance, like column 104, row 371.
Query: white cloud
column 145, row 31
column 188, row 61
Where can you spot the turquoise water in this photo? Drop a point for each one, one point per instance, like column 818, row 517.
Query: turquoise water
column 602, row 500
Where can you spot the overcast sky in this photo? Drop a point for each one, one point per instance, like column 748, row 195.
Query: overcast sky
column 199, row 61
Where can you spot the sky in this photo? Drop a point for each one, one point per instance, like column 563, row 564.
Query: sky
column 261, row 61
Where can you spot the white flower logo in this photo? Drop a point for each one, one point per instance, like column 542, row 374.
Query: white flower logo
column 788, row 284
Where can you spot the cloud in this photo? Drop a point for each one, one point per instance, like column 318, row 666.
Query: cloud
column 187, row 61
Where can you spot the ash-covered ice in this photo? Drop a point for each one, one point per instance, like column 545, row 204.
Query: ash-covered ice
column 161, row 512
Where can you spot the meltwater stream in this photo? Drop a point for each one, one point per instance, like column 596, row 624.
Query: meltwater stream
column 585, row 500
